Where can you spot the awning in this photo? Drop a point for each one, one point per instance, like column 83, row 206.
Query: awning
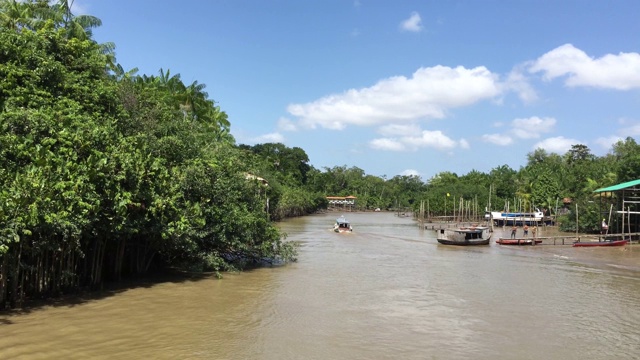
column 619, row 187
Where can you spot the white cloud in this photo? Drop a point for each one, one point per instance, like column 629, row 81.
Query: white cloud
column 620, row 72
column 533, row 127
column 413, row 23
column 285, row 124
column 558, row 145
column 269, row 138
column 522, row 128
column 425, row 139
column 434, row 139
column 79, row 7
column 607, row 142
column 410, row 172
column 387, row 144
column 498, row 139
column 428, row 94
column 516, row 81
column 632, row 130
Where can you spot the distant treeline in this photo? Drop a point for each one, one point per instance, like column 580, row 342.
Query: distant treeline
column 107, row 174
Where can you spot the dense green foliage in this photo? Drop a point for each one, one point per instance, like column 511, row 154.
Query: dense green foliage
column 107, row 174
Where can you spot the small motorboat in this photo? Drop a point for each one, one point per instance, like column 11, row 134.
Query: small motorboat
column 342, row 225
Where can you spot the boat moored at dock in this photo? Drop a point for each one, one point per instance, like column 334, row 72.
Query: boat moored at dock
column 600, row 243
column 503, row 241
column 478, row 235
column 515, row 218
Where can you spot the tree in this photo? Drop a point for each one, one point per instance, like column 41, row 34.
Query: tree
column 15, row 15
column 626, row 154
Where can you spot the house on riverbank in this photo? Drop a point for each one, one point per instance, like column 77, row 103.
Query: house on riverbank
column 620, row 209
column 345, row 203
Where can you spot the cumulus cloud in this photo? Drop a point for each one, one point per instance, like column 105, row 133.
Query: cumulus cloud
column 434, row 139
column 410, row 172
column 428, row 94
column 630, row 130
column 269, row 138
column 387, row 144
column 517, row 82
column 413, row 23
column 79, row 7
column 521, row 128
column 533, row 127
column 558, row 145
column 629, row 127
column 425, row 139
column 608, row 141
column 285, row 124
column 620, row 72
column 498, row 139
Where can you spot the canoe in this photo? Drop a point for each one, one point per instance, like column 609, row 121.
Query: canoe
column 503, row 241
column 600, row 243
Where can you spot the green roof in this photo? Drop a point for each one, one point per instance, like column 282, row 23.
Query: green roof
column 619, row 187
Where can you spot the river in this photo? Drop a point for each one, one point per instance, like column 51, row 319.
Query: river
column 386, row 291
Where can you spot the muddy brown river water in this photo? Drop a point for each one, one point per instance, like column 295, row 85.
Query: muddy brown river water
column 386, row 291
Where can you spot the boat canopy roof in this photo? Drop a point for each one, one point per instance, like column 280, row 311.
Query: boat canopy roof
column 342, row 220
column 621, row 186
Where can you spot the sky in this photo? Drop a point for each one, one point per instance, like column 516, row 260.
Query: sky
column 404, row 87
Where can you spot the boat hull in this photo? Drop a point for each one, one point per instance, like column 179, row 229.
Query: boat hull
column 465, row 236
column 502, row 241
column 464, row 242
column 601, row 243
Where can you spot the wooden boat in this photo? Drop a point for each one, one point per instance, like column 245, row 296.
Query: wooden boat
column 478, row 235
column 503, row 241
column 600, row 243
column 342, row 225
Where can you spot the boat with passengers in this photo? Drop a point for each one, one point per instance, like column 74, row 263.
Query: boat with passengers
column 342, row 225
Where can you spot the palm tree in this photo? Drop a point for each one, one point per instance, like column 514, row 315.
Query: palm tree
column 194, row 100
column 15, row 15
column 77, row 26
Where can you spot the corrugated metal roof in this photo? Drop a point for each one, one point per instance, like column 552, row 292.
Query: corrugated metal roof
column 619, row 187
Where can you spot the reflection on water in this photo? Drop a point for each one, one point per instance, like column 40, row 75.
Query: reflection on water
column 386, row 291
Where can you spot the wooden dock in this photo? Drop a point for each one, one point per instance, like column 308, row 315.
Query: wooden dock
column 570, row 239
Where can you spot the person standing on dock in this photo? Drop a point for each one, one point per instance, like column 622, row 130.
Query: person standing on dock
column 605, row 227
column 526, row 230
column 513, row 232
column 533, row 231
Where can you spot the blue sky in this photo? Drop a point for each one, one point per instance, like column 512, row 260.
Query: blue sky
column 398, row 87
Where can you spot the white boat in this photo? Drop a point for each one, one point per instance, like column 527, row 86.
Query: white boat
column 515, row 218
column 342, row 225
column 477, row 235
